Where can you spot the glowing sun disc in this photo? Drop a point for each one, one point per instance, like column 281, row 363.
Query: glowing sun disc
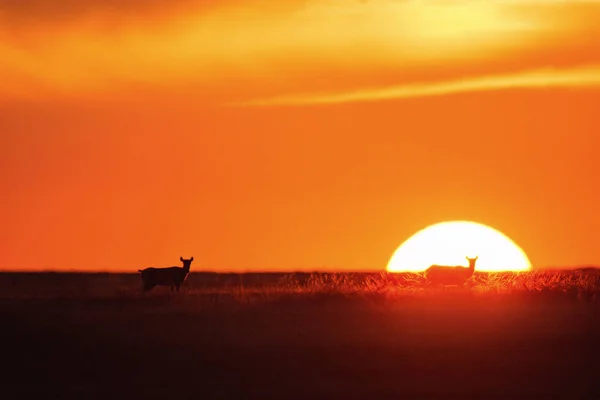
column 448, row 243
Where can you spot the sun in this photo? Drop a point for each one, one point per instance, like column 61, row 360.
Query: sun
column 448, row 243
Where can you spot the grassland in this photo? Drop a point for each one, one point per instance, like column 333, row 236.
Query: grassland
column 315, row 335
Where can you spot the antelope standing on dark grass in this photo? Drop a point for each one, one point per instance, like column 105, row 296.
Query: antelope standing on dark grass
column 172, row 276
column 450, row 275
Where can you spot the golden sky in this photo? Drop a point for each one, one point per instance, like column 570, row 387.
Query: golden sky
column 305, row 134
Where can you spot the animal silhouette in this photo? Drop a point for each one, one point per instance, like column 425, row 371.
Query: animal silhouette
column 172, row 276
column 450, row 275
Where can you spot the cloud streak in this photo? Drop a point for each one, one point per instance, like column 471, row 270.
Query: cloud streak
column 588, row 77
column 52, row 48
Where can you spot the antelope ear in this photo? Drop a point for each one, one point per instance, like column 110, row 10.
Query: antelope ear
column 192, row 259
column 180, row 258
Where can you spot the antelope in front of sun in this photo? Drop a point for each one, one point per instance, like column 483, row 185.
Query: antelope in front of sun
column 171, row 276
column 450, row 275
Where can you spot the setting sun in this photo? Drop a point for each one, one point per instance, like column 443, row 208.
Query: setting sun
column 448, row 243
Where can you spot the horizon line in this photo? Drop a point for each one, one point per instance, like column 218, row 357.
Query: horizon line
column 79, row 271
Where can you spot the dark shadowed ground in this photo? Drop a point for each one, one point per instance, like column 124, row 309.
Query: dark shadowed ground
column 302, row 336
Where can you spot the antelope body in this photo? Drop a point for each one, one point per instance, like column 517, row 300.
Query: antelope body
column 172, row 276
column 450, row 275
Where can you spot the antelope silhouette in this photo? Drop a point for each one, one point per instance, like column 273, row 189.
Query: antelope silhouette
column 171, row 276
column 450, row 275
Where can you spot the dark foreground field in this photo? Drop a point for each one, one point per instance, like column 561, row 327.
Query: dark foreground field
column 300, row 336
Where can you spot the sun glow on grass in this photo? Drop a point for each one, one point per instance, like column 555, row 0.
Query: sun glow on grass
column 448, row 243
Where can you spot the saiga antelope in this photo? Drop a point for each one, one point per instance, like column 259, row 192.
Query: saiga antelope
column 450, row 275
column 172, row 276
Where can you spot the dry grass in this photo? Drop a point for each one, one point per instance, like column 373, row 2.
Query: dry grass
column 320, row 335
column 582, row 285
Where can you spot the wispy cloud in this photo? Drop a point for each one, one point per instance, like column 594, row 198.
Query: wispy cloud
column 75, row 48
column 573, row 78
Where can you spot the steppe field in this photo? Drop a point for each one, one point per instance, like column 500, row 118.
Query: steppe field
column 344, row 335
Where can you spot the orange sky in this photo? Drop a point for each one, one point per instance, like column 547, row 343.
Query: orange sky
column 304, row 135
